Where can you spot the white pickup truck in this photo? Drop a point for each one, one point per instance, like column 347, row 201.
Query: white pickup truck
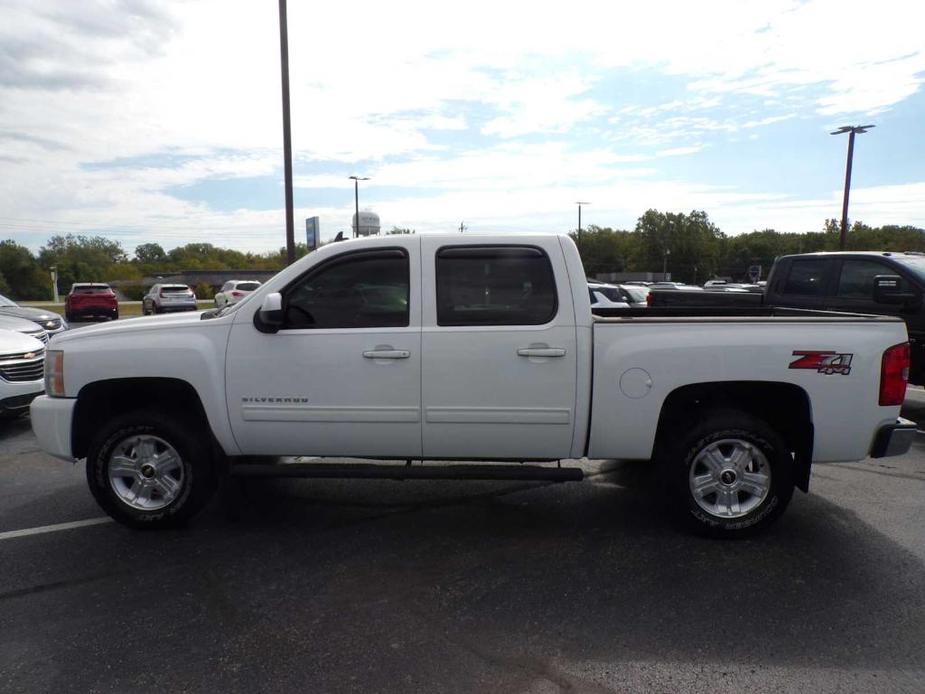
column 469, row 348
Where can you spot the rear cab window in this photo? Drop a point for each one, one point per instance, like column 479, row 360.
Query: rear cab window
column 807, row 277
column 494, row 285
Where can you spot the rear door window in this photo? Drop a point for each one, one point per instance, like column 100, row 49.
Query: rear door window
column 494, row 285
column 807, row 277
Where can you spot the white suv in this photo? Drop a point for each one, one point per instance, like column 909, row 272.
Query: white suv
column 235, row 290
column 168, row 297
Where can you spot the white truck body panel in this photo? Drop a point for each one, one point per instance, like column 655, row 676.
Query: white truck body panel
column 340, row 402
column 717, row 350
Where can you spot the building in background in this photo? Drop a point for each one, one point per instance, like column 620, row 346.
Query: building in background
column 369, row 224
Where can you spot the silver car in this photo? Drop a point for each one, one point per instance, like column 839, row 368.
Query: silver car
column 25, row 326
column 50, row 321
column 162, row 298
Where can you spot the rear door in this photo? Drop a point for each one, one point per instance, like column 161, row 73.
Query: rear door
column 805, row 283
column 499, row 350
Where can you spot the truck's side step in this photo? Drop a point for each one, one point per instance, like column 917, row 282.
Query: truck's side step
column 410, row 472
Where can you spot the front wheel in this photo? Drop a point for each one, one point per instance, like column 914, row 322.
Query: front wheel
column 731, row 475
column 150, row 471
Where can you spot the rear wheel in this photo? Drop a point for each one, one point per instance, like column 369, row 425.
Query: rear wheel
column 150, row 471
column 731, row 475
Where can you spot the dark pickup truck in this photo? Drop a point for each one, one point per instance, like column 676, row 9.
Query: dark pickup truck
column 884, row 283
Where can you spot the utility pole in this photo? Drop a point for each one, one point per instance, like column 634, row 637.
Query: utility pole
column 579, row 222
column 356, row 200
column 287, row 136
column 852, row 130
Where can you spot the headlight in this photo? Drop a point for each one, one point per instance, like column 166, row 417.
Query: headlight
column 50, row 324
column 54, row 373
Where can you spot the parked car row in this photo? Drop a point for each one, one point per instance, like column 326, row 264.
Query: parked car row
column 24, row 332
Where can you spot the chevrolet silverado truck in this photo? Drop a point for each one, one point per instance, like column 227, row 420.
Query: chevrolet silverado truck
column 457, row 350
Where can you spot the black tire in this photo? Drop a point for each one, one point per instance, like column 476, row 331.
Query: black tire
column 199, row 479
column 68, row 316
column 115, row 315
column 676, row 460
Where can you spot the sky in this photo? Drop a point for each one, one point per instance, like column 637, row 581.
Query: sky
column 161, row 122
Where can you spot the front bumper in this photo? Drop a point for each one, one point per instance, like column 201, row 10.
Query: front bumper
column 51, row 424
column 894, row 439
column 18, row 402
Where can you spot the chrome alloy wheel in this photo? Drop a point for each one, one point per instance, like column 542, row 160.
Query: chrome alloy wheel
column 145, row 472
column 730, row 478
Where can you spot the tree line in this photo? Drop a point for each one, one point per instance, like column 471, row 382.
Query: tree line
column 690, row 246
column 694, row 250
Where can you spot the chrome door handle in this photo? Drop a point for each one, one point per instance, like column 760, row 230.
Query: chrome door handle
column 386, row 354
column 541, row 352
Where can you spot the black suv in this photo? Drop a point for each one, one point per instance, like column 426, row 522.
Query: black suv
column 844, row 281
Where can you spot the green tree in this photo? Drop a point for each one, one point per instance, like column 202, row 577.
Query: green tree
column 81, row 258
column 688, row 245
column 400, row 230
column 150, row 253
column 25, row 279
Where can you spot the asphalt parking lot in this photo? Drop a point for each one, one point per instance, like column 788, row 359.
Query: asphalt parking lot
column 457, row 587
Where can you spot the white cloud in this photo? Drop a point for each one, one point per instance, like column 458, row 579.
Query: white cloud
column 110, row 80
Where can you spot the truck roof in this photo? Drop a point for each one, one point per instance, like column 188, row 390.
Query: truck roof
column 868, row 253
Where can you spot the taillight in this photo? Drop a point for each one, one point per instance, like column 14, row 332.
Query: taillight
column 894, row 374
column 235, row 293
column 649, row 299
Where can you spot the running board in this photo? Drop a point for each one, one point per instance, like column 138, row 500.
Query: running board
column 410, row 472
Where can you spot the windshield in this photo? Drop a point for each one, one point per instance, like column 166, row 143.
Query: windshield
column 913, row 263
column 6, row 302
column 174, row 288
column 247, row 286
column 94, row 289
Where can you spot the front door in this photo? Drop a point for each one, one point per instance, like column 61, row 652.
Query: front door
column 499, row 346
column 343, row 375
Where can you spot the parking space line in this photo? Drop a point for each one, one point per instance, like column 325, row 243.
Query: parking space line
column 10, row 534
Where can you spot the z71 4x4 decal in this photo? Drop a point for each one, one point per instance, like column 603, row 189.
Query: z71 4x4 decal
column 825, row 362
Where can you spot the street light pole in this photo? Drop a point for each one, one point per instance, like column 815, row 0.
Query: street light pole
column 356, row 200
column 287, row 136
column 852, row 130
column 665, row 264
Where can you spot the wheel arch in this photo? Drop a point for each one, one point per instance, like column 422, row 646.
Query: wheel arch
column 99, row 401
column 785, row 407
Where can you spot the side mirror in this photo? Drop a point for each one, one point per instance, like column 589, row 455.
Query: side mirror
column 270, row 316
column 888, row 289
